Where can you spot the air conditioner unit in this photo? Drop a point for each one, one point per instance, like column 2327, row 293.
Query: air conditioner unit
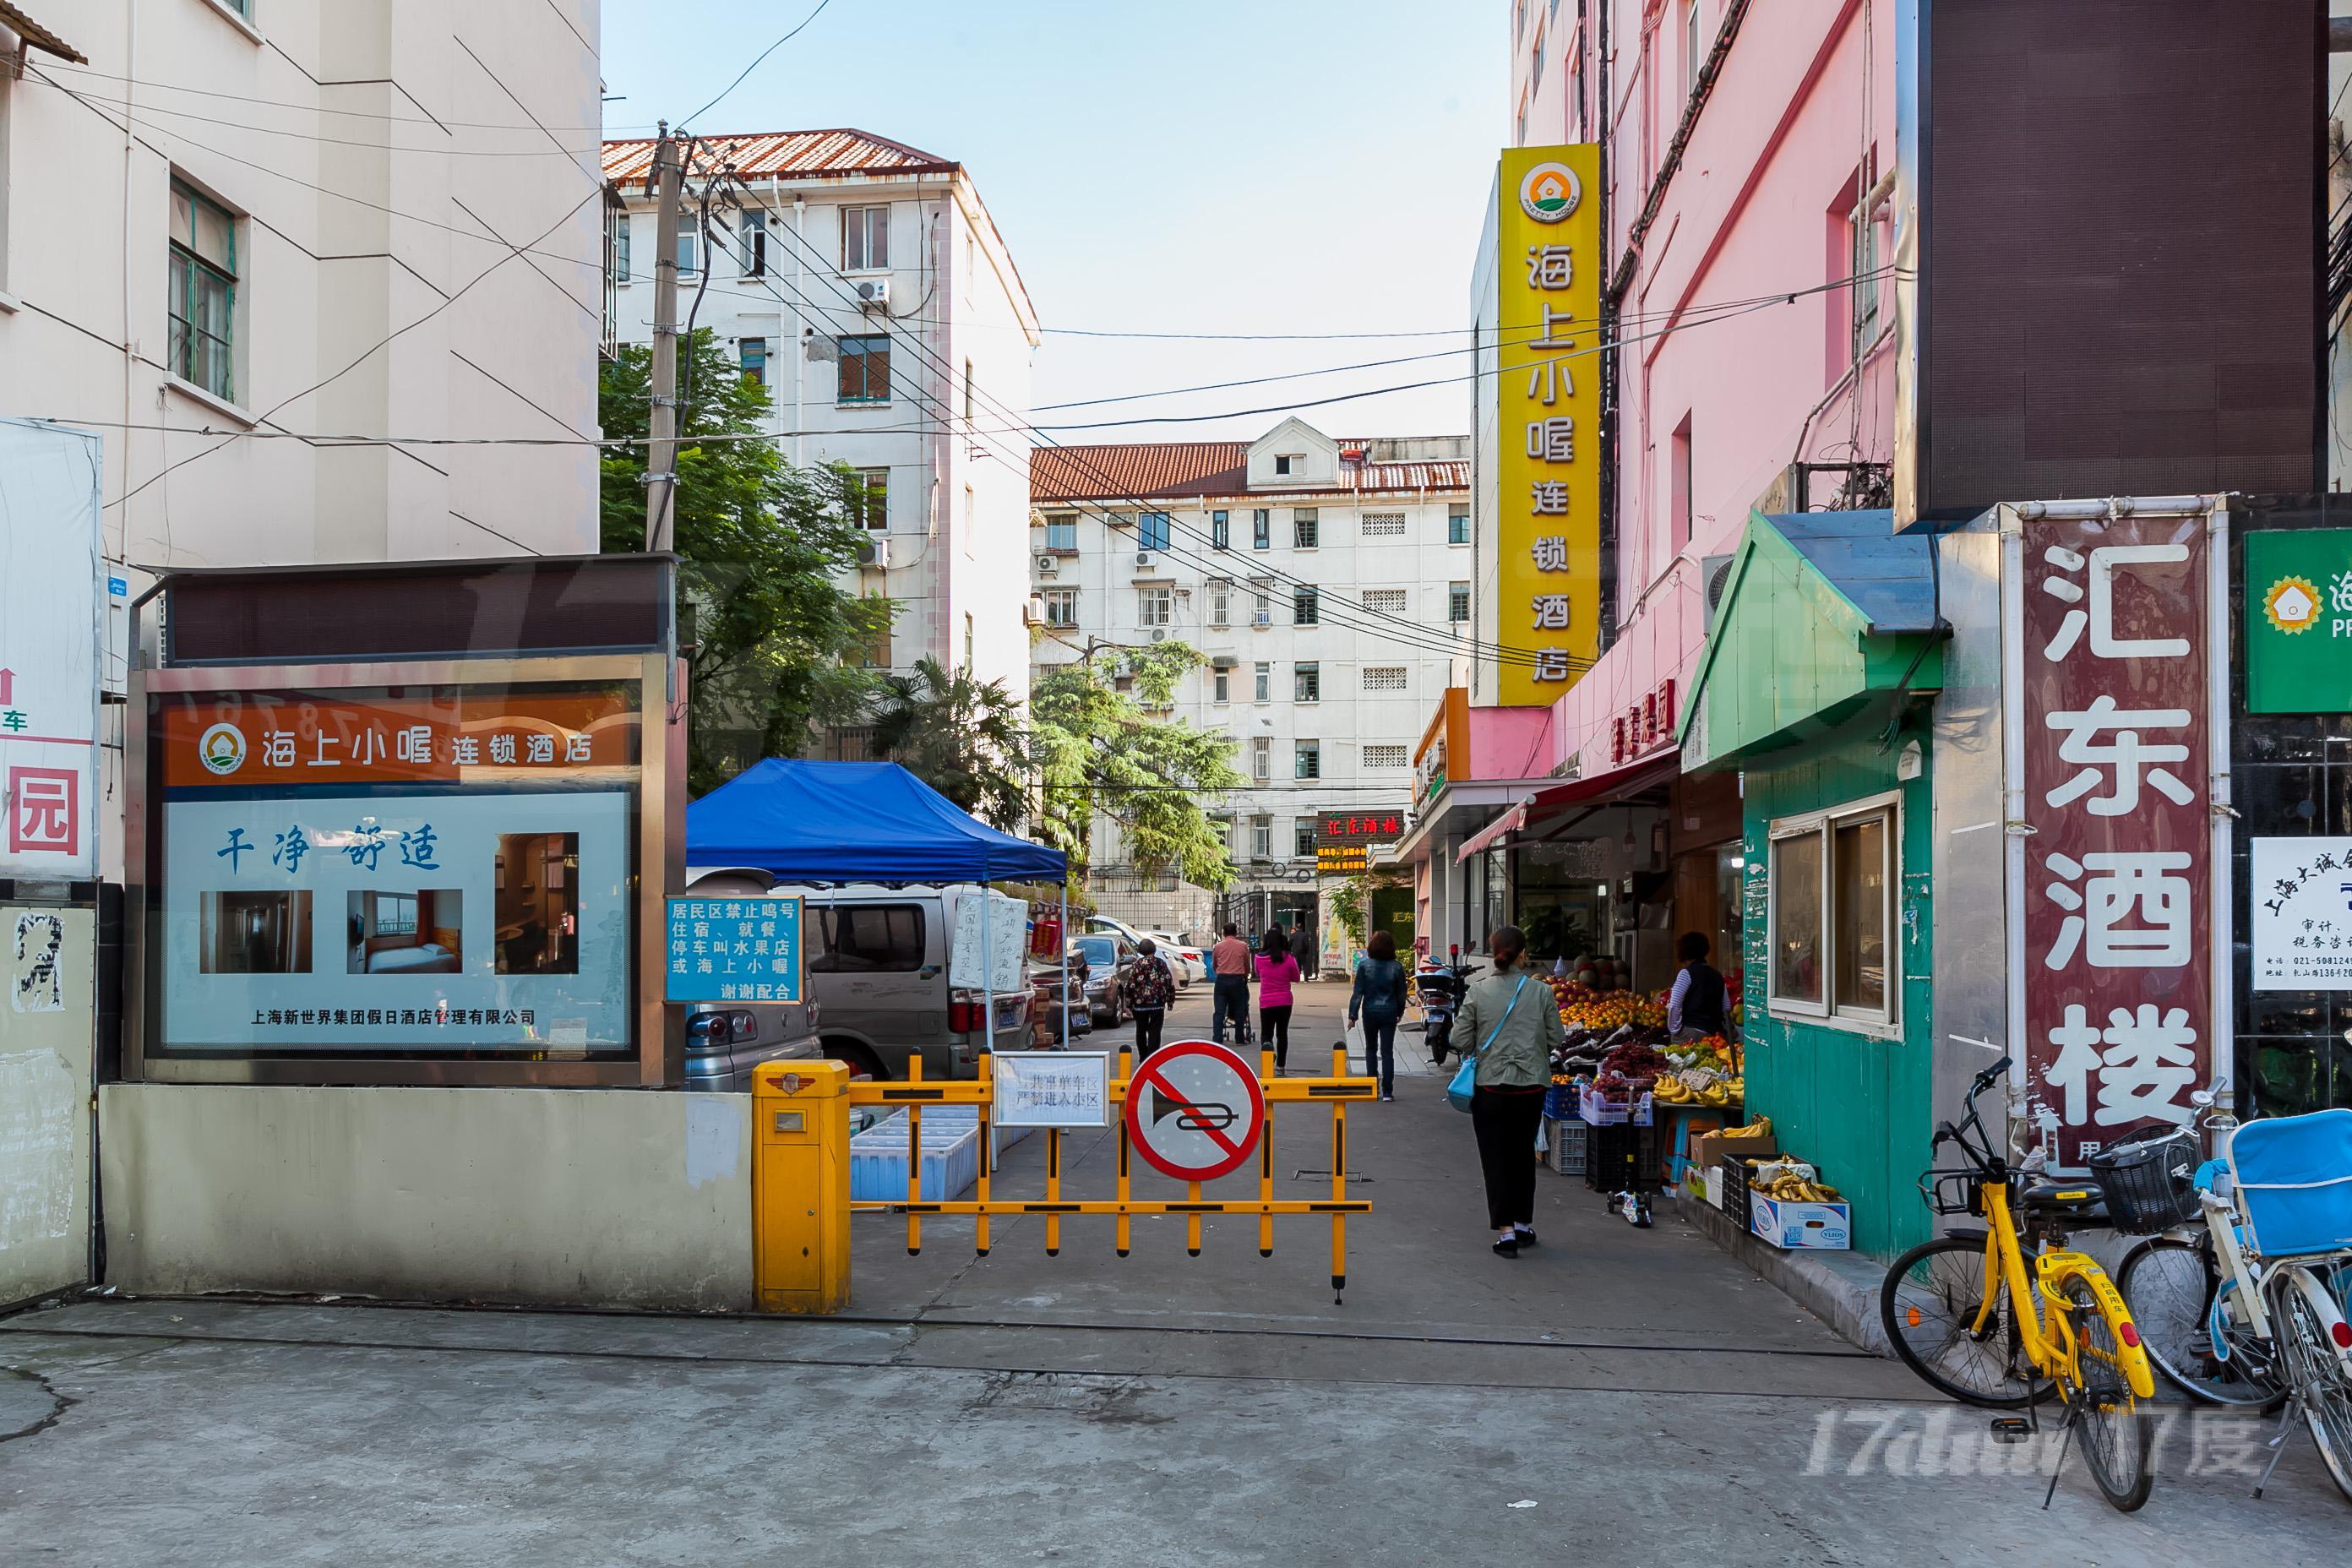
column 873, row 292
column 1034, row 612
column 1049, row 565
column 1143, row 558
column 1715, row 572
column 1160, row 634
column 875, row 555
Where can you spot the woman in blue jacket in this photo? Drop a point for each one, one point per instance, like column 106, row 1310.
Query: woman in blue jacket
column 1379, row 997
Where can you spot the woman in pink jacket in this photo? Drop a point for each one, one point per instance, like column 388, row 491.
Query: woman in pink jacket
column 1275, row 970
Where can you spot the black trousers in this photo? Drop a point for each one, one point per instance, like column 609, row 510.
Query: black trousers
column 1506, row 1122
column 1273, row 1029
column 1148, row 1021
column 1229, row 1001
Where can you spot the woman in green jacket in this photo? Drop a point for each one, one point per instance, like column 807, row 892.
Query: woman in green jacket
column 1509, row 1019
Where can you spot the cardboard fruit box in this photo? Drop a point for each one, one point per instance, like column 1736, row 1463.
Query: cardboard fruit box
column 1796, row 1227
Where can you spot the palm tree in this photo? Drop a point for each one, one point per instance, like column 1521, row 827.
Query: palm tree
column 958, row 735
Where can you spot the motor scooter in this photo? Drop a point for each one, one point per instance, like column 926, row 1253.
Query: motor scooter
column 1440, row 987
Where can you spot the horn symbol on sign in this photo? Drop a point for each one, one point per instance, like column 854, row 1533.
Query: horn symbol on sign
column 1193, row 1118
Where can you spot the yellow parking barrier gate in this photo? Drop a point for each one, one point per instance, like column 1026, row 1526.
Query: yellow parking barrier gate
column 800, row 1172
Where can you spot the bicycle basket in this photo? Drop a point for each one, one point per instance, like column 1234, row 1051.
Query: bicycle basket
column 1951, row 1192
column 2295, row 1182
column 2150, row 1180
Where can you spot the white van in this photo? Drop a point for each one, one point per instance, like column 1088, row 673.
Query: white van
column 877, row 970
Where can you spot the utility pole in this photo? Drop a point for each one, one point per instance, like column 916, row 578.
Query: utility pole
column 661, row 454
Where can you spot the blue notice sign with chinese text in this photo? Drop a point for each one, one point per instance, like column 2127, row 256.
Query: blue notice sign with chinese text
column 733, row 950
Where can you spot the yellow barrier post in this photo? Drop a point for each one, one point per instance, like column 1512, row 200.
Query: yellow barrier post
column 979, row 1220
column 1126, row 1073
column 1266, row 1071
column 914, row 1158
column 800, row 1186
column 1338, row 1178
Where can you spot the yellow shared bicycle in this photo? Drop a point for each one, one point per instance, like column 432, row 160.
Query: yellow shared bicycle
column 2007, row 1316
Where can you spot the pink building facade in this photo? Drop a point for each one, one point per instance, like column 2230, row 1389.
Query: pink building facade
column 1749, row 157
column 1750, row 166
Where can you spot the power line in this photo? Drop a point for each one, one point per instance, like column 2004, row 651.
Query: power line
column 95, row 107
column 688, row 120
column 599, row 131
column 1398, row 629
column 570, row 153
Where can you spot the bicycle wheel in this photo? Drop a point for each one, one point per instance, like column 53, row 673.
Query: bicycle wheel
column 1929, row 1305
column 2318, row 1380
column 2170, row 1285
column 2113, row 1432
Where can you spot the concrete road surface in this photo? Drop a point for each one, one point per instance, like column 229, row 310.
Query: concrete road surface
column 1612, row 1397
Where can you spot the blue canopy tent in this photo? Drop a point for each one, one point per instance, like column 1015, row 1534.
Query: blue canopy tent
column 854, row 822
column 861, row 822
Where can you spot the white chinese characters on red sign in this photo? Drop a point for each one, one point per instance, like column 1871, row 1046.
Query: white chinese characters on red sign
column 2118, row 894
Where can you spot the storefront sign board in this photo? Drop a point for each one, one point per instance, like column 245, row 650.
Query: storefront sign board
column 1548, row 390
column 2302, row 914
column 2118, row 902
column 50, row 582
column 2298, row 621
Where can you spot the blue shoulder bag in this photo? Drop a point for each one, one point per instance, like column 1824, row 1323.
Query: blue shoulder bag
column 1465, row 1077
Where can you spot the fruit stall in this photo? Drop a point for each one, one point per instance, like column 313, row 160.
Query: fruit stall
column 1618, row 1069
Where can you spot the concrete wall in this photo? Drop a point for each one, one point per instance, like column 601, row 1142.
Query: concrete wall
column 548, row 1196
column 45, row 1044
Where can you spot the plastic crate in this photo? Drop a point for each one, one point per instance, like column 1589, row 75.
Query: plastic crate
column 1564, row 1145
column 1621, row 1157
column 1733, row 1169
column 878, row 1162
column 1561, row 1103
column 1636, row 1112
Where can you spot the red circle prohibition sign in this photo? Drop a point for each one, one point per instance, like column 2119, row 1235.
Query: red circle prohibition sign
column 1196, row 1111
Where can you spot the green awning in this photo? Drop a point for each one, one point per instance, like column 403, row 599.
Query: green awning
column 1823, row 615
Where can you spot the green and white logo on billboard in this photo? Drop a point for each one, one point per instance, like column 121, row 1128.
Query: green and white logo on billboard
column 2298, row 620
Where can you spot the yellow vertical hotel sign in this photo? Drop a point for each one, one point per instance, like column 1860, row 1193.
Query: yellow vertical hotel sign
column 1548, row 396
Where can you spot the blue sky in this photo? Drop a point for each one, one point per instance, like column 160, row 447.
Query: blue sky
column 1283, row 166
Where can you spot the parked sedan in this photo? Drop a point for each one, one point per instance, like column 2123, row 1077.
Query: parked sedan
column 1046, row 1010
column 1105, row 961
column 724, row 1041
column 1186, row 961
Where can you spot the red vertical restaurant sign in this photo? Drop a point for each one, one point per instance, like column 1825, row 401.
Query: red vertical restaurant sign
column 2112, row 880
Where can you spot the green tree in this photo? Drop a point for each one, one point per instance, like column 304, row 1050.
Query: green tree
column 958, row 735
column 1098, row 746
column 777, row 642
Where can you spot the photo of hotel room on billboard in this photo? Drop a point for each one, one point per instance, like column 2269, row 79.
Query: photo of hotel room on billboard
column 468, row 889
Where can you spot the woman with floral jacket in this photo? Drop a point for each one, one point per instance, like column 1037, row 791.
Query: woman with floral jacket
column 1151, row 987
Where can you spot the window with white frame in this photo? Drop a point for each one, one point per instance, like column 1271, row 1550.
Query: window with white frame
column 1061, row 606
column 1261, row 838
column 751, row 237
column 1155, row 606
column 864, row 238
column 1387, row 678
column 1062, row 531
column 1385, row 601
column 1262, row 687
column 203, row 283
column 1457, row 602
column 874, row 486
column 1224, row 686
column 1833, row 876
column 1261, row 605
column 1262, row 757
column 1384, row 525
column 1220, row 603
column 1380, row 758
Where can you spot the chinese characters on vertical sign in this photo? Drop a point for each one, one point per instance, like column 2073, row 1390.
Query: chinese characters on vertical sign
column 49, row 630
column 1548, row 390
column 2118, row 894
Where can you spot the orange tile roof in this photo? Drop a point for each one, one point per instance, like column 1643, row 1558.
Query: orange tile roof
column 788, row 154
column 1149, row 471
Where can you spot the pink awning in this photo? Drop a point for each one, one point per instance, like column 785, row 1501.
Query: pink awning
column 1618, row 784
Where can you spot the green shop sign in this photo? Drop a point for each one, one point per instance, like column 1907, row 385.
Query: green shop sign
column 2299, row 621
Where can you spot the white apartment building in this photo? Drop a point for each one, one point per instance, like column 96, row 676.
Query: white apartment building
column 228, row 226
column 1327, row 582
column 867, row 284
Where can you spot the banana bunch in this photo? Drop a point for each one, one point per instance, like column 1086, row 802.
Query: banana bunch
column 1758, row 1128
column 1796, row 1189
